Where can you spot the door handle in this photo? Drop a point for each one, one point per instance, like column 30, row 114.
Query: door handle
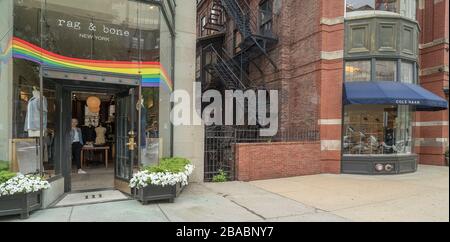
column 131, row 141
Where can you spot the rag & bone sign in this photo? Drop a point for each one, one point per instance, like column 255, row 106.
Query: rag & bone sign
column 98, row 32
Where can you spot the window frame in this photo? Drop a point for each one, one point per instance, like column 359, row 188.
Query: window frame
column 263, row 23
column 373, row 68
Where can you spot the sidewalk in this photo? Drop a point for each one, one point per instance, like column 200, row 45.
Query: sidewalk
column 235, row 202
column 423, row 196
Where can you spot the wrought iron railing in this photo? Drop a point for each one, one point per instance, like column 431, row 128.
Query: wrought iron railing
column 220, row 145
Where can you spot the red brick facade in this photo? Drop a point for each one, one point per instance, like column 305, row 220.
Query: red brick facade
column 431, row 131
column 277, row 160
column 309, row 56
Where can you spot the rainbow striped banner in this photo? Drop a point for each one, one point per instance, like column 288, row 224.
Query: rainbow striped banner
column 153, row 73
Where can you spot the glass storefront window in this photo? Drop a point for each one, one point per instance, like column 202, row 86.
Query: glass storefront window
column 377, row 130
column 386, row 70
column 357, row 71
column 405, row 8
column 407, row 73
column 106, row 30
column 115, row 30
column 6, row 75
column 156, row 133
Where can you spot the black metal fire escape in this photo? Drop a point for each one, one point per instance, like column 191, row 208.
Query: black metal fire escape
column 253, row 44
column 232, row 70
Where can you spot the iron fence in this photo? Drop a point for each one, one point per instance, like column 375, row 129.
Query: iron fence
column 220, row 145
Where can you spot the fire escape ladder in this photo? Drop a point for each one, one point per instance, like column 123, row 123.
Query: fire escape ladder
column 225, row 70
column 247, row 24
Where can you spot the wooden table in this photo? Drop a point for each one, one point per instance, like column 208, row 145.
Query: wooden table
column 95, row 149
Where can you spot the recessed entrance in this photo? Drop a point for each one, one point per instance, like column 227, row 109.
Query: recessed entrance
column 92, row 127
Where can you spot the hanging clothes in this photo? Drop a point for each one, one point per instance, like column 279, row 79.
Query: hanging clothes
column 32, row 118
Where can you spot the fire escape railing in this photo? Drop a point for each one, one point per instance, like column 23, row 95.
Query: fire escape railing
column 246, row 22
column 225, row 70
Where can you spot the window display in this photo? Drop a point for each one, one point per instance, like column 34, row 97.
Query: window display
column 386, row 70
column 100, row 132
column 33, row 116
column 377, row 130
column 357, row 70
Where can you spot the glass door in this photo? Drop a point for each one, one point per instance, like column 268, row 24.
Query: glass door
column 126, row 139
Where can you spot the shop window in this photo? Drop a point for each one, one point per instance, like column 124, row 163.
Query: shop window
column 357, row 71
column 407, row 73
column 386, row 70
column 265, row 17
column 113, row 30
column 377, row 130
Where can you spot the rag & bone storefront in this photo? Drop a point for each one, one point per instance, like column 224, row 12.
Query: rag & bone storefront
column 106, row 63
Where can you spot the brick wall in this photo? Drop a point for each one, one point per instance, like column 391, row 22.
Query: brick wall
column 277, row 160
column 431, row 128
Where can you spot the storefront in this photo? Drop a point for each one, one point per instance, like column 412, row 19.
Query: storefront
column 106, row 63
column 378, row 134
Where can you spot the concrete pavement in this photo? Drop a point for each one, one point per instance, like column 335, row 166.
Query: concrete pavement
column 423, row 196
column 234, row 201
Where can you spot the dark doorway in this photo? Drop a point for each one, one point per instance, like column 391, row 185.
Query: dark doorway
column 101, row 109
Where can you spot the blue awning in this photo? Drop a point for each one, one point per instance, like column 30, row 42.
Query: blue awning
column 392, row 93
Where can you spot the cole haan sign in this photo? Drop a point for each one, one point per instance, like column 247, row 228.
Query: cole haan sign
column 101, row 32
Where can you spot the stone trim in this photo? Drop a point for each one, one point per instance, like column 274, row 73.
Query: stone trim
column 431, row 142
column 332, row 21
column 433, row 70
column 332, row 55
column 330, row 122
column 434, row 43
column 330, row 145
column 430, row 124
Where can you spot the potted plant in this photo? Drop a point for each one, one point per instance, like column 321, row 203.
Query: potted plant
column 20, row 194
column 162, row 182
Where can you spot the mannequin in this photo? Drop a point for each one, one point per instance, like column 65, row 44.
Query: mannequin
column 32, row 119
column 100, row 131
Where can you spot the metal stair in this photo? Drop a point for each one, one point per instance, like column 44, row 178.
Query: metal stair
column 253, row 44
column 214, row 21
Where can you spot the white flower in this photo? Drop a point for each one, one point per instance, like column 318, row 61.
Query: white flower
column 23, row 184
column 144, row 178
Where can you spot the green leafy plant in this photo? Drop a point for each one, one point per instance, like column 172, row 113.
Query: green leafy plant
column 174, row 165
column 169, row 172
column 6, row 176
column 4, row 165
column 221, row 177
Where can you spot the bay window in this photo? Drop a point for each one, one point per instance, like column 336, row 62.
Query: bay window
column 386, row 70
column 406, row 8
column 358, row 70
column 381, row 70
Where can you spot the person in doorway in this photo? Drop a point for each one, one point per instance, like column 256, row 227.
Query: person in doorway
column 77, row 145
